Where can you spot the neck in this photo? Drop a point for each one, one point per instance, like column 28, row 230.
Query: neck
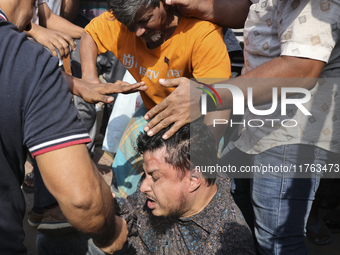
column 2, row 15
column 12, row 10
column 200, row 200
column 6, row 8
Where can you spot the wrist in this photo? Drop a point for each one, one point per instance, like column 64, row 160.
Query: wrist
column 107, row 234
column 118, row 238
column 90, row 78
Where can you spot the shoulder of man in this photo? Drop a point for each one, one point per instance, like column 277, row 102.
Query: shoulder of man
column 26, row 59
column 104, row 22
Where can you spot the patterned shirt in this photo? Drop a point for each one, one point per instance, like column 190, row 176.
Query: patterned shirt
column 218, row 229
column 304, row 29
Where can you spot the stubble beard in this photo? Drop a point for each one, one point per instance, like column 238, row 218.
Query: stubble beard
column 156, row 36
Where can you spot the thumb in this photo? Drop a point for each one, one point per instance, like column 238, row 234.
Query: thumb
column 106, row 99
column 173, row 82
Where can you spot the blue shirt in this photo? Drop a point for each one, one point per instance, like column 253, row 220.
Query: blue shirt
column 36, row 114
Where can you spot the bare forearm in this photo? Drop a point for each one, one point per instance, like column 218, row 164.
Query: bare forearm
column 88, row 56
column 277, row 73
column 95, row 217
column 69, row 9
column 58, row 23
column 229, row 13
column 80, row 190
column 219, row 130
column 52, row 21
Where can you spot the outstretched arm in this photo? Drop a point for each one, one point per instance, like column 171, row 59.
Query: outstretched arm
column 93, row 93
column 83, row 196
column 227, row 13
column 168, row 111
column 69, row 9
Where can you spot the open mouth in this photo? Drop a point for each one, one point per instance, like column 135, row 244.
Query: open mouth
column 151, row 203
column 156, row 36
column 152, row 37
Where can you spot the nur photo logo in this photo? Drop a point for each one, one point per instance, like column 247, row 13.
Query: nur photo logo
column 280, row 96
column 206, row 89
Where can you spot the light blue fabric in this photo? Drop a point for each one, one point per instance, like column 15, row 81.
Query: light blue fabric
column 127, row 165
column 281, row 201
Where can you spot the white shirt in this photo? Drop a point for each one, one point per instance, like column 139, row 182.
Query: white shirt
column 35, row 18
column 299, row 28
column 55, row 6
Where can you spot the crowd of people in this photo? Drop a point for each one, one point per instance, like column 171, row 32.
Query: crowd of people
column 277, row 119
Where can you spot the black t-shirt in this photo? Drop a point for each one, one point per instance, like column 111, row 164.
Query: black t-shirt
column 36, row 114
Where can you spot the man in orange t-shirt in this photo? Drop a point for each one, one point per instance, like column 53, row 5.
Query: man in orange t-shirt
column 153, row 41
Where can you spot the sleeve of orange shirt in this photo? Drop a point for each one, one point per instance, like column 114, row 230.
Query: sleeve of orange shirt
column 210, row 57
column 107, row 25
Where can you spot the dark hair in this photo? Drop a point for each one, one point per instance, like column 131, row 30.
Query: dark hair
column 192, row 145
column 125, row 10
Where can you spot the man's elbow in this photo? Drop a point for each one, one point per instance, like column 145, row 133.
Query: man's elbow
column 86, row 200
column 89, row 207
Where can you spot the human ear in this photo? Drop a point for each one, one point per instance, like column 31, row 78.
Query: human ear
column 195, row 180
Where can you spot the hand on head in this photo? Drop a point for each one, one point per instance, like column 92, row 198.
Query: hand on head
column 189, row 8
column 178, row 108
